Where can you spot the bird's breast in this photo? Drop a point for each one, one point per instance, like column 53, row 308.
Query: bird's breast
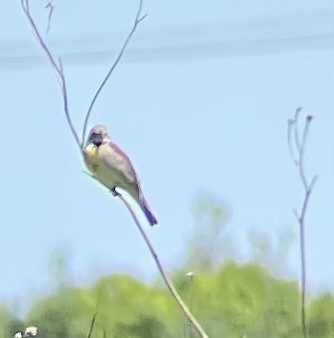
column 97, row 165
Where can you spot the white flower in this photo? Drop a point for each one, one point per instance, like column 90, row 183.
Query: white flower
column 31, row 331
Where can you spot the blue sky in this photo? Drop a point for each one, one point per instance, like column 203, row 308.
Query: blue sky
column 200, row 103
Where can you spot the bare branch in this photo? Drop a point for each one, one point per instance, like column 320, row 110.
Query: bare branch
column 137, row 20
column 298, row 110
column 142, row 18
column 58, row 69
column 51, row 5
column 314, row 179
column 89, row 174
column 306, row 199
column 291, row 124
column 301, row 156
column 60, row 65
column 164, row 276
column 27, row 5
column 299, row 161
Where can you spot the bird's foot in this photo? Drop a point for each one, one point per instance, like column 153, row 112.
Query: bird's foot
column 114, row 192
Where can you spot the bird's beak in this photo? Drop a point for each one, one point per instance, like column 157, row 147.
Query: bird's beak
column 96, row 139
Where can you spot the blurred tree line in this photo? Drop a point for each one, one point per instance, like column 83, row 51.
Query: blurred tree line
column 229, row 299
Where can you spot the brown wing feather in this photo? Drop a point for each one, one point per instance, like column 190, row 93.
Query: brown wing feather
column 127, row 165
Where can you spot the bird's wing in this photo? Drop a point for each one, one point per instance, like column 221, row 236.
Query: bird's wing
column 121, row 162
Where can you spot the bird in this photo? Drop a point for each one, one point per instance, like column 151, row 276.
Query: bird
column 113, row 168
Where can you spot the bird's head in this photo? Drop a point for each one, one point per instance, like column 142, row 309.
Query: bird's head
column 97, row 135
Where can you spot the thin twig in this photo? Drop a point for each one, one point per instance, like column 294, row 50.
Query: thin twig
column 58, row 69
column 190, row 280
column 164, row 276
column 291, row 123
column 297, row 142
column 299, row 161
column 137, row 20
column 51, row 5
column 301, row 156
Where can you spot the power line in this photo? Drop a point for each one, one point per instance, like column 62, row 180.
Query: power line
column 185, row 50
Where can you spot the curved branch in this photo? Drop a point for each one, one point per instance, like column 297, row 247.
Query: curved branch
column 297, row 141
column 57, row 68
column 164, row 276
column 137, row 20
column 301, row 157
column 291, row 124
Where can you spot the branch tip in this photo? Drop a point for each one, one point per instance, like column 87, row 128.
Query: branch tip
column 112, row 68
column 57, row 68
column 141, row 19
column 309, row 118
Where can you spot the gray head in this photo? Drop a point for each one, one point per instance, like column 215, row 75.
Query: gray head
column 97, row 135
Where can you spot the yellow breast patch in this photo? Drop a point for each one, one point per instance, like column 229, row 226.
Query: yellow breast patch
column 91, row 150
column 91, row 156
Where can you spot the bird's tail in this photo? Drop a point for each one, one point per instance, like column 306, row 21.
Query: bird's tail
column 147, row 211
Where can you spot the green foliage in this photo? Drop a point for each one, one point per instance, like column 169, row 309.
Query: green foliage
column 322, row 317
column 206, row 246
column 229, row 299
column 8, row 323
column 232, row 301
